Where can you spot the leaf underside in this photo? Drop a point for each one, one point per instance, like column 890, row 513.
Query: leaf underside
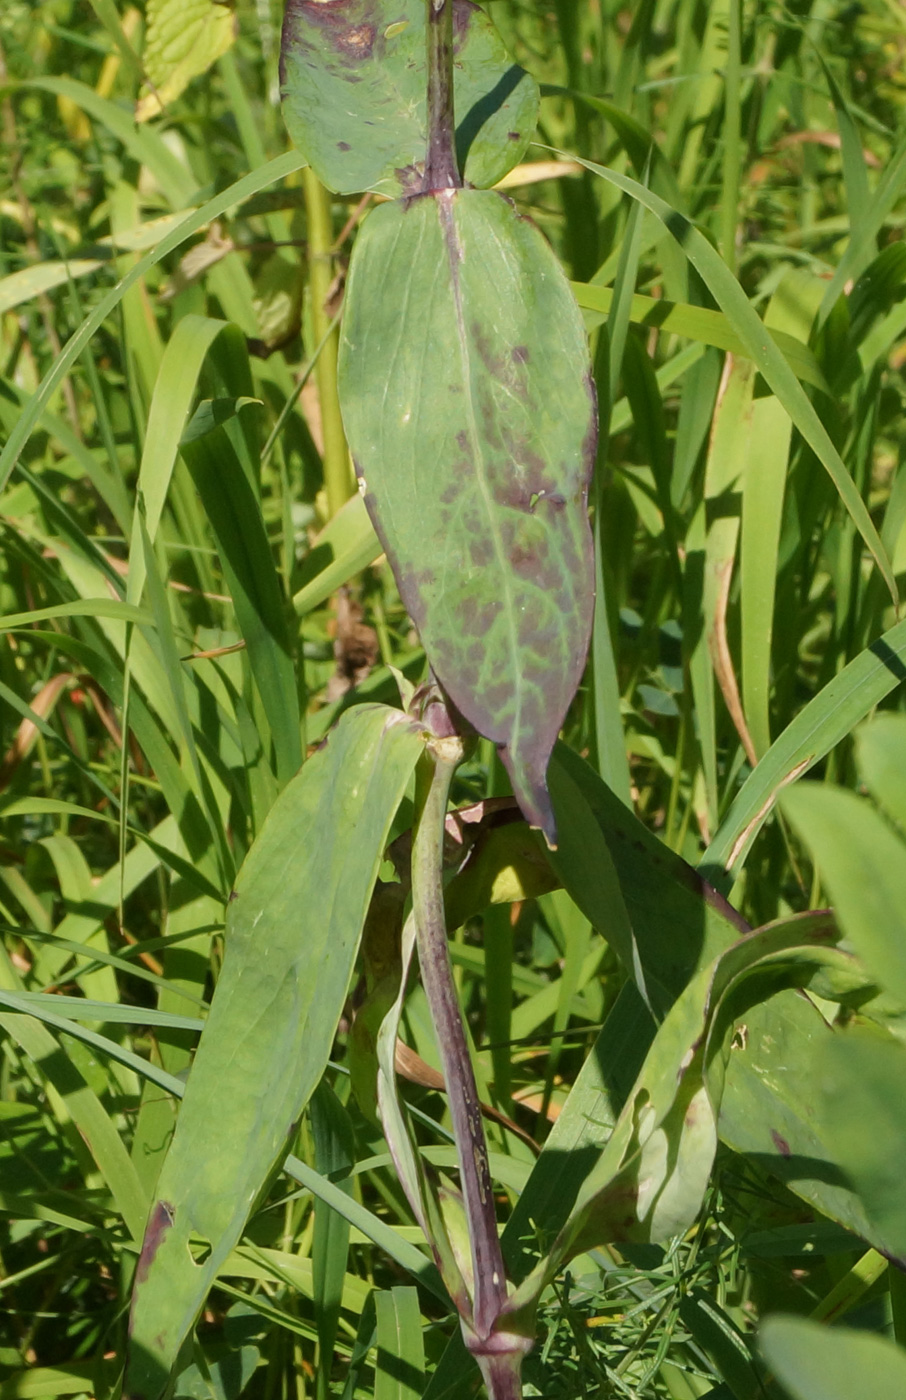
column 354, row 75
column 293, row 927
column 469, row 408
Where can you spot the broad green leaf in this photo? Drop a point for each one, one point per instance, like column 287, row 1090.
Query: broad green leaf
column 832, row 1363
column 354, row 81
column 829, row 717
column 584, row 1124
column 232, row 507
column 673, row 925
column 470, row 415
column 862, row 1081
column 74, row 1378
column 661, row 919
column 881, row 759
column 652, row 1174
column 184, row 38
column 769, row 1111
column 293, row 926
column 861, row 862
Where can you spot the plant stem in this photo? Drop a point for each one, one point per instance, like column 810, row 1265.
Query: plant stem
column 441, row 169
column 434, row 780
column 338, row 481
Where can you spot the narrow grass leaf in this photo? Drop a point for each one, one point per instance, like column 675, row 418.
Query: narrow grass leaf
column 345, row 547
column 142, row 144
column 759, row 345
column 196, row 219
column 400, row 1360
column 234, row 512
column 824, row 721
column 81, row 1104
column 700, row 323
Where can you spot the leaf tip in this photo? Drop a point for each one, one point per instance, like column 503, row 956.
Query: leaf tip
column 530, row 791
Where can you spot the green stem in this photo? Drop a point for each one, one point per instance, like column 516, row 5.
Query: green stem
column 434, row 780
column 338, row 481
column 441, row 169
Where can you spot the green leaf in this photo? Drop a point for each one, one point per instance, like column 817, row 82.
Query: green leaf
column 142, row 144
column 400, row 1362
column 194, row 220
column 661, row 919
column 862, row 1077
column 828, row 718
column 823, row 1363
column 582, row 1127
column 293, row 927
column 652, row 1174
column 174, row 391
column 702, row 324
column 184, row 38
column 861, row 862
column 469, row 412
column 665, row 924
column 354, row 82
column 232, row 507
column 759, row 345
column 345, row 547
column 881, row 759
column 71, row 1097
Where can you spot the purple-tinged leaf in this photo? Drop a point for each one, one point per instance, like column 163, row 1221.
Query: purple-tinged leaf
column 470, row 412
column 354, row 79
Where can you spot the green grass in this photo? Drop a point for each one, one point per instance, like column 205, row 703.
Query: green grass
column 755, row 165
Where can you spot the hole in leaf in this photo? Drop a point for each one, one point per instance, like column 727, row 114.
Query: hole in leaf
column 200, row 1249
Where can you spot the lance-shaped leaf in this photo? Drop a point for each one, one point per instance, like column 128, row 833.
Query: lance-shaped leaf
column 469, row 409
column 678, row 924
column 651, row 1177
column 354, row 77
column 293, row 926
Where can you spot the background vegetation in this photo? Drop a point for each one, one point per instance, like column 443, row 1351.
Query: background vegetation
column 138, row 755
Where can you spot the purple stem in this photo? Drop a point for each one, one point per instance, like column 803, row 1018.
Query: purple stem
column 441, row 169
column 490, row 1291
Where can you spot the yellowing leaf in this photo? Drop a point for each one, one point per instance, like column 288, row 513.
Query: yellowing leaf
column 184, row 38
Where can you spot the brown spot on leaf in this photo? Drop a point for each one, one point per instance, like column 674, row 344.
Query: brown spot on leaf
column 162, row 1219
column 520, row 354
column 343, row 146
column 783, row 1147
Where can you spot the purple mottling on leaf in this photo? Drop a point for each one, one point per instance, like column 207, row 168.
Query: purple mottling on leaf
column 162, row 1218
